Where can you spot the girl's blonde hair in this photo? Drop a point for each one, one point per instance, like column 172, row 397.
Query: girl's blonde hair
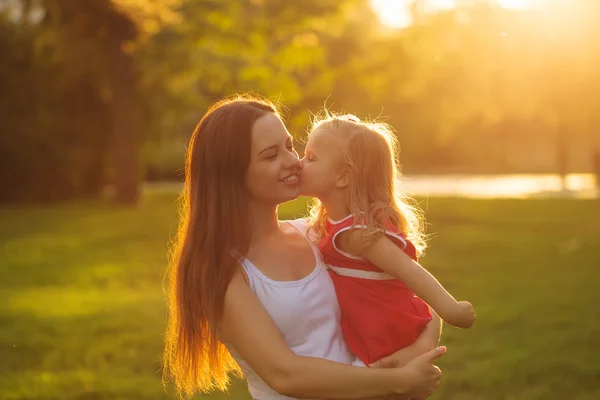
column 371, row 154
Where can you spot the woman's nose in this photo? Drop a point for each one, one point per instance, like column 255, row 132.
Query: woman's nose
column 293, row 161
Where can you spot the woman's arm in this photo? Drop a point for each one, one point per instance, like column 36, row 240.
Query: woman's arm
column 247, row 326
column 387, row 256
column 428, row 340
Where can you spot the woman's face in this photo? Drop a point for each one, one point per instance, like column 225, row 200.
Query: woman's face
column 272, row 175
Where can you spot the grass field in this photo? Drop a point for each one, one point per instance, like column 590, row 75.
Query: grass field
column 82, row 312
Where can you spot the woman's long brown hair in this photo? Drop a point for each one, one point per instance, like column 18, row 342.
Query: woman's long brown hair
column 213, row 230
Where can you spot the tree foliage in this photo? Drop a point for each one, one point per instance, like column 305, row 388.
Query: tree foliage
column 101, row 92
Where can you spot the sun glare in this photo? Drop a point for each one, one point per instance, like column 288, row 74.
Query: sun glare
column 517, row 4
column 396, row 13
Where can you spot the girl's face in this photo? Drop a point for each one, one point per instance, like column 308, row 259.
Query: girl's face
column 272, row 175
column 321, row 164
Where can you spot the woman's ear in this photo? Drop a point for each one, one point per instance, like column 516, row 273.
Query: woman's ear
column 342, row 179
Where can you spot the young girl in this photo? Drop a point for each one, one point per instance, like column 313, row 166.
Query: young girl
column 370, row 237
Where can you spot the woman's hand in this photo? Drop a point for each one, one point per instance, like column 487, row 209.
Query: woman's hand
column 427, row 341
column 424, row 376
column 401, row 357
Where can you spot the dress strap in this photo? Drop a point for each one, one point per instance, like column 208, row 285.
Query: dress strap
column 357, row 273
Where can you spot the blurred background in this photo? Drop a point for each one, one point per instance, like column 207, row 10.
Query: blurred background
column 496, row 104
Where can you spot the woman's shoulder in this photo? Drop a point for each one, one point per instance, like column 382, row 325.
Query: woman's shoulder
column 301, row 224
column 301, row 221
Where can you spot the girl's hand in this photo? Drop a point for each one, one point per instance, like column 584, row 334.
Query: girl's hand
column 425, row 377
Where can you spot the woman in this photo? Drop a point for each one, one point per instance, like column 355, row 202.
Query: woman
column 249, row 292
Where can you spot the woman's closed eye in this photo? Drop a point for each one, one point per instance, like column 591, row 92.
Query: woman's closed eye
column 289, row 146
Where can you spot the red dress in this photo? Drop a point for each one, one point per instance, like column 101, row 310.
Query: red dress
column 380, row 314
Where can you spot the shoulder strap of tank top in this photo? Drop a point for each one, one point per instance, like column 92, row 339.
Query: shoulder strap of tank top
column 248, row 267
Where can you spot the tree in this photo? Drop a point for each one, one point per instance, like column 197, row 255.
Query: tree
column 110, row 32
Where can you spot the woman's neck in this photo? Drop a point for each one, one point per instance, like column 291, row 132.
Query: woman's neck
column 264, row 221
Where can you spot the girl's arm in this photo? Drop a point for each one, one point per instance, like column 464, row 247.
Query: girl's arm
column 247, row 326
column 387, row 256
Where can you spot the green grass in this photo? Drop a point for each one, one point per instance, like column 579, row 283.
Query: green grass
column 82, row 313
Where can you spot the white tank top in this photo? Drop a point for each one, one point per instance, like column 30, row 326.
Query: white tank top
column 306, row 312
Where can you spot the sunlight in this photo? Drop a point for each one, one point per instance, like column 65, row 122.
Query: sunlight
column 523, row 4
column 520, row 4
column 396, row 13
